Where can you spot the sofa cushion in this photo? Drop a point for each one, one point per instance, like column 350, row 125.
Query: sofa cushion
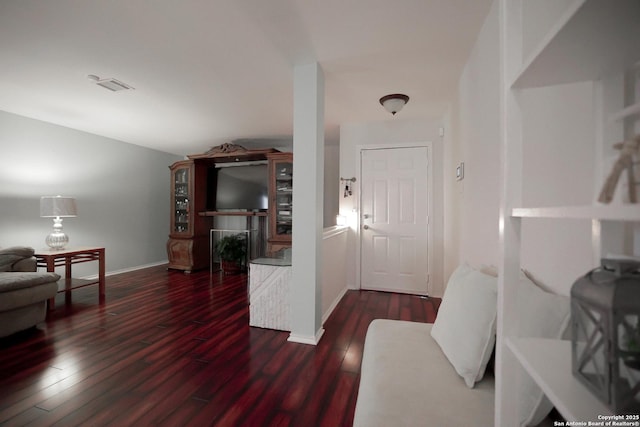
column 11, row 281
column 406, row 380
column 25, row 264
column 9, row 256
column 19, row 298
column 465, row 327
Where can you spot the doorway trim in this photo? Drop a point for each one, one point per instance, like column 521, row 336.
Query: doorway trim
column 359, row 149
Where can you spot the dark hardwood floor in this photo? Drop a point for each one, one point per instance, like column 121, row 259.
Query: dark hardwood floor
column 173, row 349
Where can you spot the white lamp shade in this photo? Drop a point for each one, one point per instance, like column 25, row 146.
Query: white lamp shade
column 58, row 206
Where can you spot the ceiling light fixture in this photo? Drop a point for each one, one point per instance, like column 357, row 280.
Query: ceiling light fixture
column 112, row 84
column 394, row 102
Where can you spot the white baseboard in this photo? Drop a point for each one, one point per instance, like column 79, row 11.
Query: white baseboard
column 333, row 305
column 126, row 270
column 307, row 339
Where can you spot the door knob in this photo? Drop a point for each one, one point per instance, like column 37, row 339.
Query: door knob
column 366, row 227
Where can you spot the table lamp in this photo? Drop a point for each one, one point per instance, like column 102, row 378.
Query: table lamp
column 57, row 207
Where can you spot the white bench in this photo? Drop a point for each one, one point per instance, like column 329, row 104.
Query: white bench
column 406, row 380
column 418, row 374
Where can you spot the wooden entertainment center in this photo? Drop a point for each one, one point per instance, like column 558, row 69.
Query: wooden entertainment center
column 193, row 202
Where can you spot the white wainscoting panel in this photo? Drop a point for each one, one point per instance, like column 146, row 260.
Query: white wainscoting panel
column 269, row 296
column 334, row 270
column 270, row 285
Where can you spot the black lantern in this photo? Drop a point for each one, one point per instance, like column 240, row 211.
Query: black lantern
column 605, row 322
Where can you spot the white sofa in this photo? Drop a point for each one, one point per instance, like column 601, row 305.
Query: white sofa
column 418, row 374
column 406, row 380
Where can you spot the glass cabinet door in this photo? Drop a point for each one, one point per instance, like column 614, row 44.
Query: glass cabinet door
column 181, row 200
column 283, row 198
column 280, row 202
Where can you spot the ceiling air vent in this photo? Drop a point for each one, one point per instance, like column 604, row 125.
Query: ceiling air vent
column 112, row 84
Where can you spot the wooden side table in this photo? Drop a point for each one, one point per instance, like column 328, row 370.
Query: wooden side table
column 50, row 259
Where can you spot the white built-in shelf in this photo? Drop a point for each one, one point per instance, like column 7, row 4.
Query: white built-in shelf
column 631, row 110
column 600, row 212
column 548, row 362
column 591, row 39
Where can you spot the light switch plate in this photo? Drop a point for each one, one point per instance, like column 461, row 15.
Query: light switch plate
column 460, row 171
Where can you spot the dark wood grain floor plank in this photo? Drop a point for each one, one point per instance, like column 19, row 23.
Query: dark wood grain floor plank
column 341, row 398
column 170, row 349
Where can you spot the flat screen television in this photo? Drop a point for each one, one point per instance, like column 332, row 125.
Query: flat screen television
column 243, row 187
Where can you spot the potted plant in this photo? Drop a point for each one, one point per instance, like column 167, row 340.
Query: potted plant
column 232, row 250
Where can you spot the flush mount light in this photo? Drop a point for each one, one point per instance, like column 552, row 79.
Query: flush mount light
column 394, row 102
column 110, row 83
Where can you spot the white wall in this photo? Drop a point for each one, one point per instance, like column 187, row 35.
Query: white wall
column 122, row 191
column 471, row 205
column 395, row 132
column 331, row 184
column 557, row 170
column 451, row 188
column 541, row 16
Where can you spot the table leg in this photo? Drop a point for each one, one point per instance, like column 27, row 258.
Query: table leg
column 67, row 279
column 101, row 273
column 51, row 268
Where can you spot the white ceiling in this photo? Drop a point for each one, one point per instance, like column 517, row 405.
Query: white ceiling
column 207, row 72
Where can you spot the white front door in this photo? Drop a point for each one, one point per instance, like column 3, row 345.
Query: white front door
column 394, row 220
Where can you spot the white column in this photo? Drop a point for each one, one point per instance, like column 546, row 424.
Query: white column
column 308, row 198
column 507, row 367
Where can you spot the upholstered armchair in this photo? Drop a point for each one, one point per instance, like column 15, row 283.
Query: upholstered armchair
column 23, row 291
